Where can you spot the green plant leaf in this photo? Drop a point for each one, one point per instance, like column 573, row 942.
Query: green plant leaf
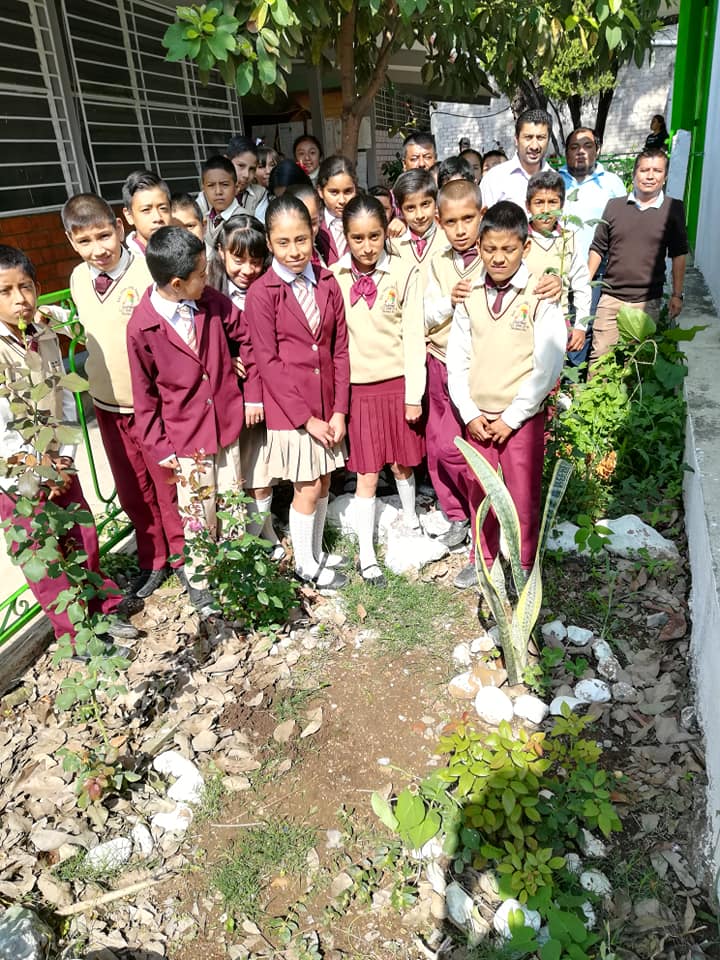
column 383, row 811
column 552, row 950
column 409, row 810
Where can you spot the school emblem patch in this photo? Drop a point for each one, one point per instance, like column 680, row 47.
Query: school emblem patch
column 390, row 301
column 128, row 300
column 521, row 318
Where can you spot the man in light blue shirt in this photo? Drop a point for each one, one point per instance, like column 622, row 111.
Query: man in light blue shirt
column 588, row 187
column 588, row 184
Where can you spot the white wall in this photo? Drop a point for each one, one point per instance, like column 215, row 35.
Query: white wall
column 707, row 250
column 641, row 92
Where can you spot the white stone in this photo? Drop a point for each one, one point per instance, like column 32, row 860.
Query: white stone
column 437, row 876
column 173, row 821
column 434, row 523
column 459, row 904
column 531, row 708
column 590, row 915
column 408, row 550
column 557, row 705
column 573, row 863
column 543, row 935
column 593, row 691
column 461, row 654
column 601, row 650
column 592, row 846
column 432, row 850
column 579, row 636
column 595, row 882
column 482, row 644
column 341, row 514
column 562, row 537
column 205, row 741
column 23, row 935
column 189, row 786
column 555, row 630
column 493, row 706
column 142, row 840
column 629, row 534
column 110, row 855
column 500, row 920
column 609, row 668
column 624, row 692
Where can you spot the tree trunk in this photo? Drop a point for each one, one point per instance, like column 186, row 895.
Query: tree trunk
column 575, row 107
column 350, row 133
column 604, row 102
column 356, row 105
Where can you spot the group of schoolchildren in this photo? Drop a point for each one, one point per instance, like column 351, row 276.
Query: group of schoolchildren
column 357, row 329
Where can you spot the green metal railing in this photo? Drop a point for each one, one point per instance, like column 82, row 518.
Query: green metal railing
column 17, row 610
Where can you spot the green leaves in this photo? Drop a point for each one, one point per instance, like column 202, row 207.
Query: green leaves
column 416, row 824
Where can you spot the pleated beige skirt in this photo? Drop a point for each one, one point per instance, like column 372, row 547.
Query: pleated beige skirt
column 253, row 457
column 295, row 455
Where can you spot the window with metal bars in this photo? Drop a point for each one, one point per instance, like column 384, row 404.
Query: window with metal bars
column 88, row 97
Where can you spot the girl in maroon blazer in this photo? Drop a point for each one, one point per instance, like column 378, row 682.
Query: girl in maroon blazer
column 240, row 257
column 296, row 320
column 337, row 185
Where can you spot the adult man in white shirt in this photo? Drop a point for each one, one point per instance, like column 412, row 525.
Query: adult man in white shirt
column 509, row 180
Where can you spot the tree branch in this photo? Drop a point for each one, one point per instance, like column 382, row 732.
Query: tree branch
column 362, row 103
column 346, row 58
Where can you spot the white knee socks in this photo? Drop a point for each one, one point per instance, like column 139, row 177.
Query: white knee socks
column 332, row 560
column 301, row 534
column 365, row 520
column 406, row 492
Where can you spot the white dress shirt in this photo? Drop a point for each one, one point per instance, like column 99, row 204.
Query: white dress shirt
column 550, row 335
column 507, row 181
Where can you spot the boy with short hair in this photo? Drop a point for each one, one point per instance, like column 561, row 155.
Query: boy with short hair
column 553, row 249
column 186, row 213
column 450, row 276
column 26, row 332
column 189, row 406
column 106, row 289
column 219, row 185
column 416, row 197
column 505, row 353
column 146, row 206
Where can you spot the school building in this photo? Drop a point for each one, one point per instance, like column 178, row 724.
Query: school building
column 87, row 96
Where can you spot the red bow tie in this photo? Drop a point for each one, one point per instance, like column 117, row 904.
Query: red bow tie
column 363, row 288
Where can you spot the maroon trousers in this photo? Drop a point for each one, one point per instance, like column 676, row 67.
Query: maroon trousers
column 47, row 590
column 146, row 491
column 441, row 428
column 521, row 458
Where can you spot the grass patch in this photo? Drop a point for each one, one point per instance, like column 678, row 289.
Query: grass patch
column 407, row 613
column 213, row 798
column 77, row 868
column 295, row 703
column 255, row 858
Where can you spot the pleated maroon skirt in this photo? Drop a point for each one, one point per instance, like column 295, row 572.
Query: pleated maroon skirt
column 377, row 430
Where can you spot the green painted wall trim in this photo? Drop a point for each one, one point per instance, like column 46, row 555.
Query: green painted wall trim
column 691, row 90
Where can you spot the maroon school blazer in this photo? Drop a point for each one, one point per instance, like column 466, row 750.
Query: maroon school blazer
column 186, row 401
column 303, row 374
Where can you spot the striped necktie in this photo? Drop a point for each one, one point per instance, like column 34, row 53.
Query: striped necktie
column 186, row 327
column 306, row 298
column 336, row 229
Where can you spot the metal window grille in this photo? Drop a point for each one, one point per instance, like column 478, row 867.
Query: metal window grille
column 40, row 161
column 395, row 111
column 88, row 96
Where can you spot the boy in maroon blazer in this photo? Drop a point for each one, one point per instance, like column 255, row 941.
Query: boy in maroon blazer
column 189, row 407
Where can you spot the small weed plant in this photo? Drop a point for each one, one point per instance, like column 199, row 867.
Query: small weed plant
column 248, row 585
column 514, row 805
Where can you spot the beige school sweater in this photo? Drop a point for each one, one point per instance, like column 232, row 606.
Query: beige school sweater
column 403, row 248
column 505, row 365
column 389, row 340
column 446, row 270
column 559, row 254
column 105, row 320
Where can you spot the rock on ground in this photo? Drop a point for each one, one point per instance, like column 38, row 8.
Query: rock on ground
column 23, row 935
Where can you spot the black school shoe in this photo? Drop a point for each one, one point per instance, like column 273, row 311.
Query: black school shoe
column 373, row 575
column 456, row 534
column 466, row 578
column 200, row 597
column 147, row 581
